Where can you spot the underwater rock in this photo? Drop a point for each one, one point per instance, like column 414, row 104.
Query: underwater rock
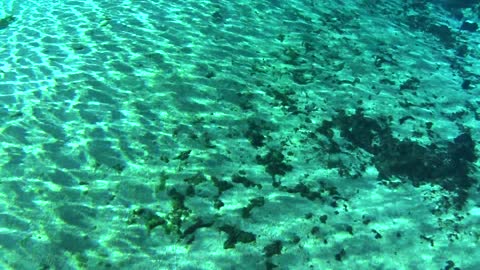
column 469, row 26
column 456, row 4
column 6, row 21
column 443, row 32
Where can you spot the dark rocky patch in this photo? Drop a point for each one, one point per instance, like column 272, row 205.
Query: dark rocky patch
column 274, row 248
column 235, row 236
column 361, row 131
column 340, row 255
column 446, row 164
column 323, row 219
column 466, row 84
column 458, row 4
column 274, row 162
column 239, row 179
column 469, row 26
column 218, row 17
column 147, row 217
column 402, row 120
column 6, row 21
column 304, row 191
column 376, row 234
column 254, row 133
column 445, row 35
column 196, row 179
column 255, row 202
column 221, row 185
column 284, row 98
column 183, row 155
column 199, row 223
column 179, row 213
column 410, row 84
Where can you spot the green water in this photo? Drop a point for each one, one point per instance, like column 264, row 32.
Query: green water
column 264, row 134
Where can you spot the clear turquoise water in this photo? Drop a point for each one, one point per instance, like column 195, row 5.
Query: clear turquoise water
column 239, row 135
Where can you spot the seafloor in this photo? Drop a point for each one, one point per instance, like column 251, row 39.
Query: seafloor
column 267, row 134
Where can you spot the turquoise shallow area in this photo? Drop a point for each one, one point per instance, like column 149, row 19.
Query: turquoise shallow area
column 265, row 134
